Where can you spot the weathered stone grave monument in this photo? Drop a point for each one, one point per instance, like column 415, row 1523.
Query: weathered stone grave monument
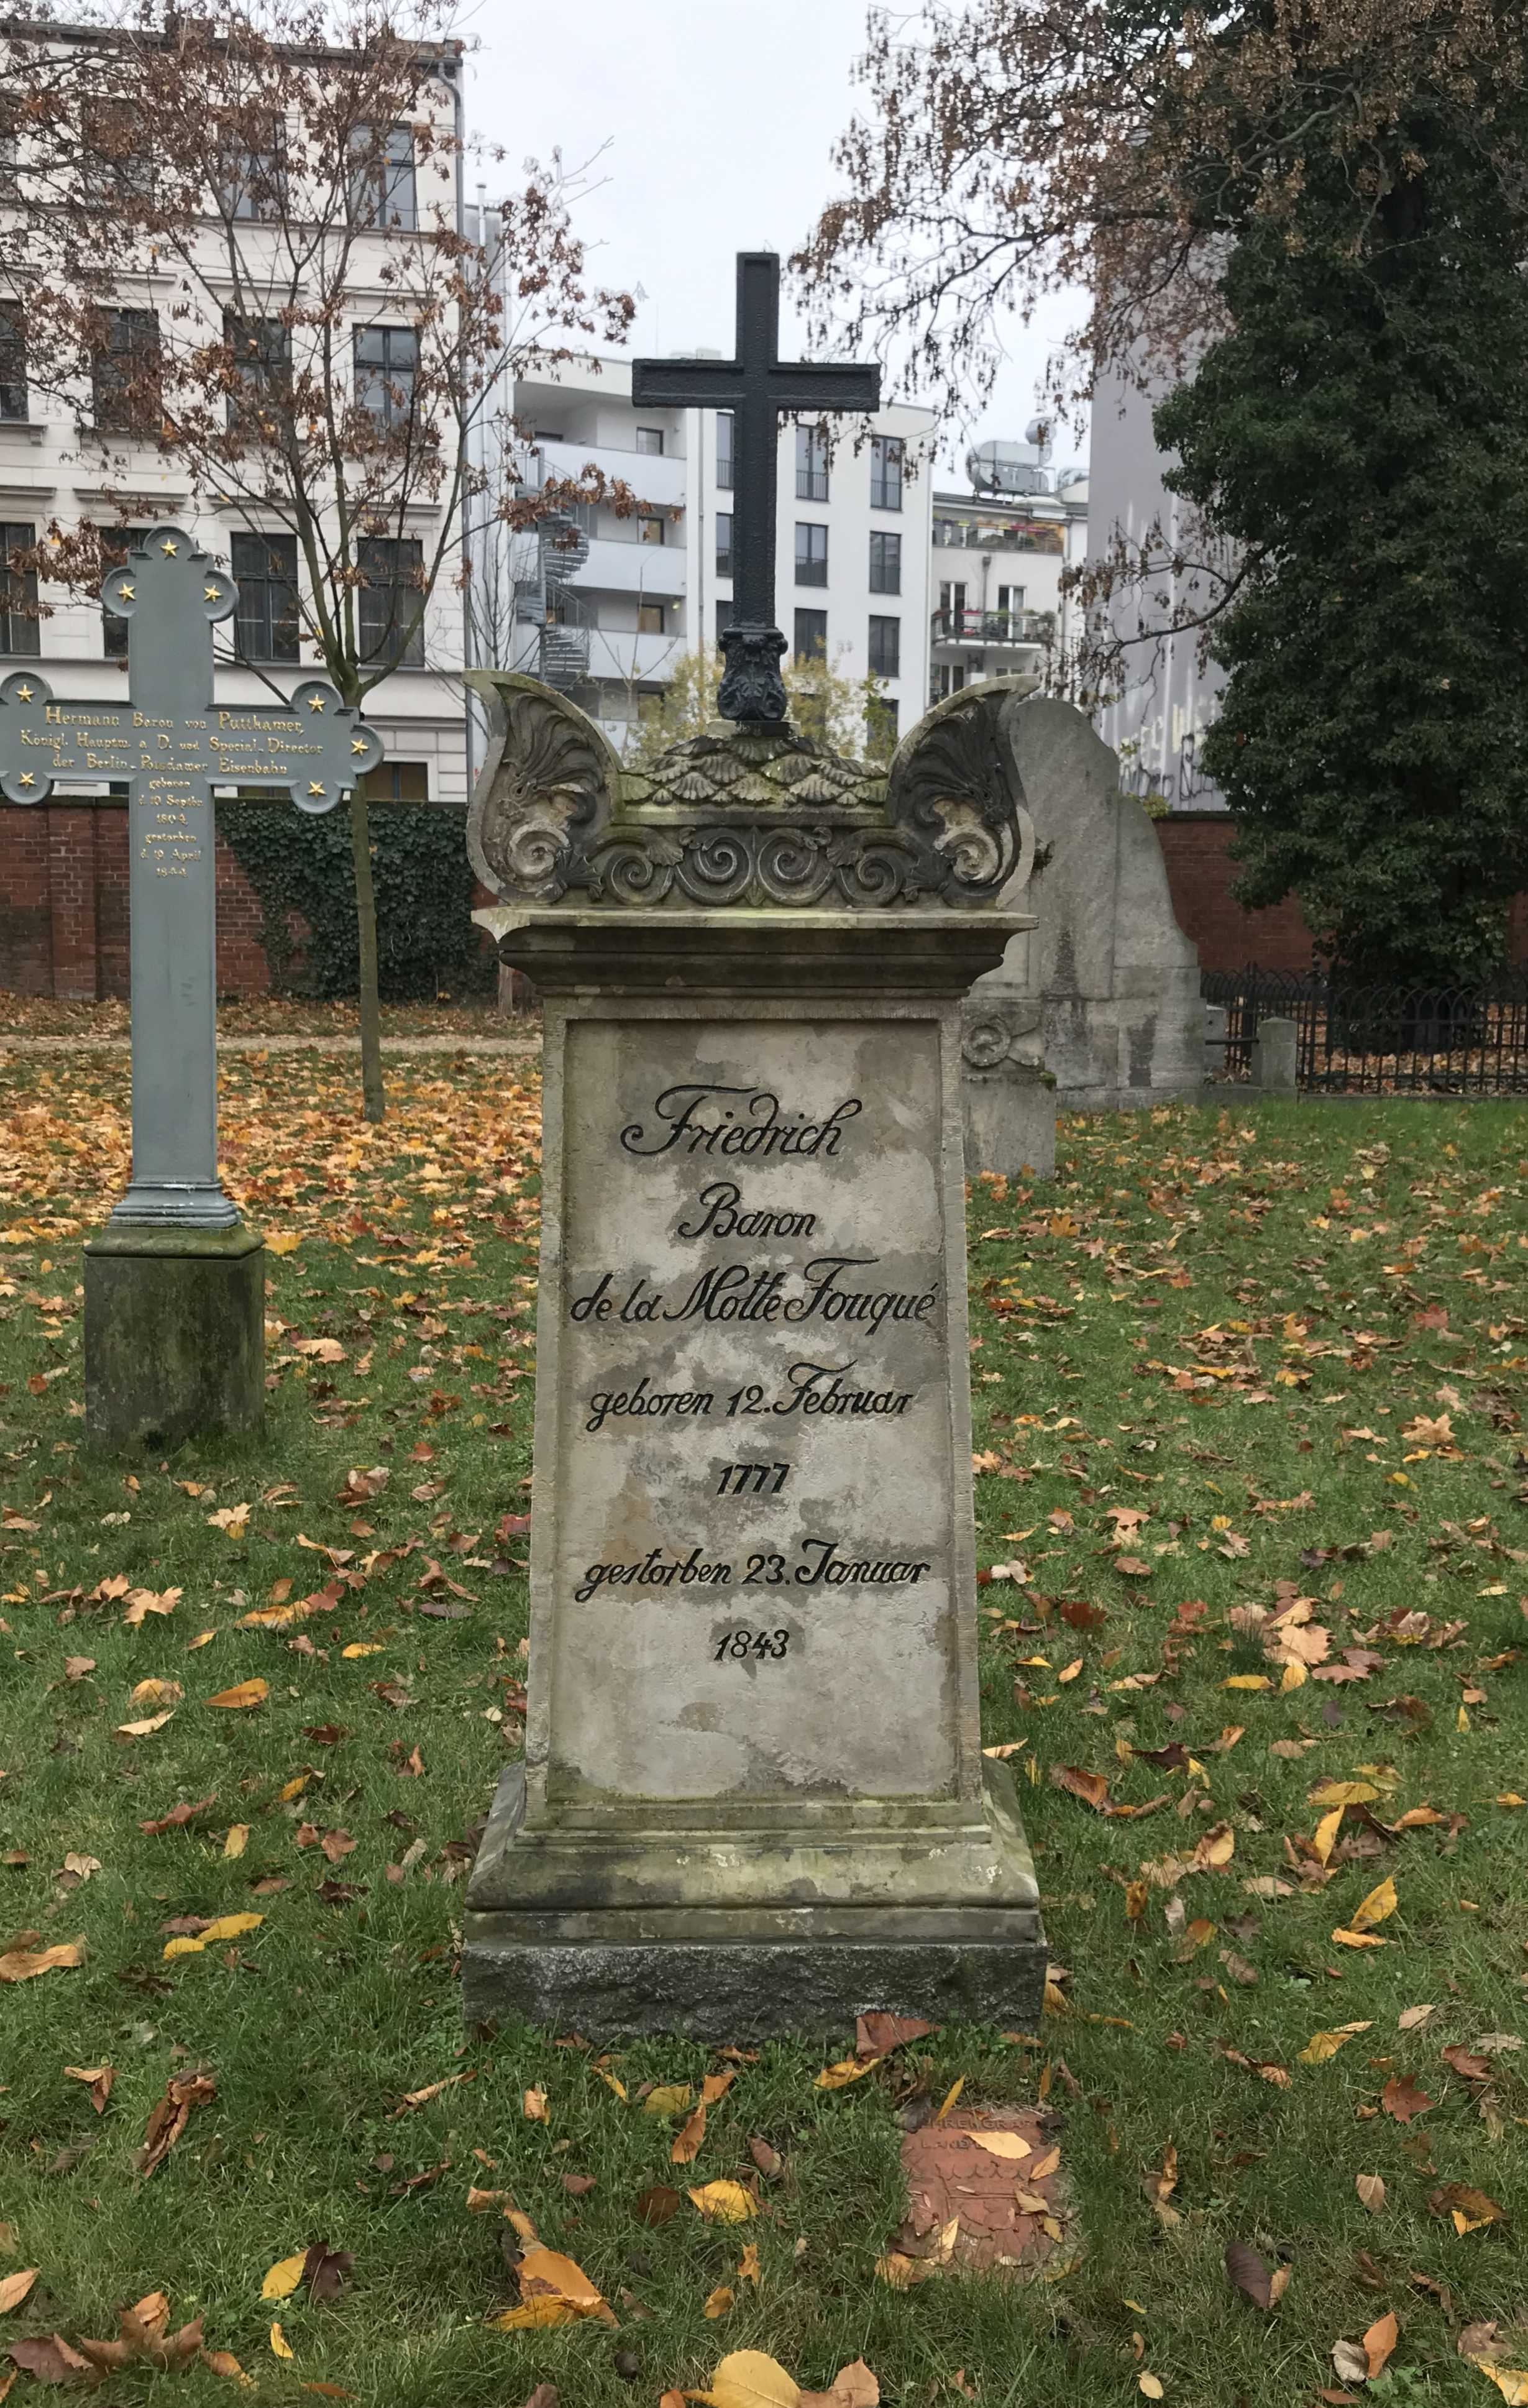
column 753, row 1794
column 1106, row 989
column 175, row 1284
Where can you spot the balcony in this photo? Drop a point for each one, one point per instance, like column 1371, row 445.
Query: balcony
column 951, row 533
column 614, row 652
column 653, row 476
column 653, row 569
column 994, row 630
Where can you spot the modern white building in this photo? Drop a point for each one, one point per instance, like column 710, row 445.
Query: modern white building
column 606, row 606
column 76, row 459
column 999, row 607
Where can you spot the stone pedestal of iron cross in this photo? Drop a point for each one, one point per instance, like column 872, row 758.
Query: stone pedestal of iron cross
column 175, row 1284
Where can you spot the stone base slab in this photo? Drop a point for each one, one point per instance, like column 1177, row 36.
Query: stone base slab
column 720, row 1972
column 175, row 1334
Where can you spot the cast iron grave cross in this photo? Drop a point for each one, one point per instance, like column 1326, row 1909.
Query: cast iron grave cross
column 756, row 387
column 171, row 744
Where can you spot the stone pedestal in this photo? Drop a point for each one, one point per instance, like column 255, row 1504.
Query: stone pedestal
column 754, row 1796
column 175, row 1334
column 1010, row 1101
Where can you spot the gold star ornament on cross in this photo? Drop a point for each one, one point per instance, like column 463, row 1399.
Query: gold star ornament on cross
column 314, row 789
column 358, row 743
column 171, row 551
column 315, row 702
column 126, row 594
column 212, row 593
column 25, row 693
column 27, row 779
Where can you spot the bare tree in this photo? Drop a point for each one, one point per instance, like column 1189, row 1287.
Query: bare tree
column 275, row 166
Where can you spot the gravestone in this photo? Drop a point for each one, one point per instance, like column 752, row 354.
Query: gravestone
column 1115, row 980
column 753, row 1794
column 175, row 1284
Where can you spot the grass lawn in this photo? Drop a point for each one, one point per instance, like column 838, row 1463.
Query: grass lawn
column 1227, row 1363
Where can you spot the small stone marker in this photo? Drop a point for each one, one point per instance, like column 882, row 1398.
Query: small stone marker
column 175, row 1284
column 754, row 1796
column 1276, row 1057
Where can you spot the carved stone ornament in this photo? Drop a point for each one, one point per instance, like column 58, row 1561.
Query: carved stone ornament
column 992, row 1030
column 756, row 817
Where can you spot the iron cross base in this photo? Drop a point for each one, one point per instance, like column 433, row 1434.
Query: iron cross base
column 175, row 1334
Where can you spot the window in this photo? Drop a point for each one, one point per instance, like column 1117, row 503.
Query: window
column 950, row 621
column 886, row 648
column 811, row 642
column 886, row 472
column 886, row 564
column 12, row 362
column 811, row 463
column 650, row 619
column 261, row 369
column 265, row 620
column 126, row 374
column 724, row 618
column 392, row 622
column 650, row 439
column 723, row 544
column 107, row 159
column 811, row 554
column 397, row 781
column 650, row 527
column 115, row 548
column 386, row 359
column 20, row 630
column 881, row 715
column 1010, row 604
column 724, row 450
column 252, row 171
column 383, row 177
column 948, row 681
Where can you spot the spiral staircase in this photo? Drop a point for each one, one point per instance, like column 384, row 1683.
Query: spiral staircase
column 545, row 601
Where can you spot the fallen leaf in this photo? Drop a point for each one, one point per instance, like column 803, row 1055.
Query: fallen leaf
column 852, row 2387
column 1265, row 2285
column 280, row 2346
column 1410, row 2017
column 1402, row 2099
column 14, row 2289
column 849, row 2068
column 548, row 2280
column 100, row 2078
column 535, row 2106
column 721, row 2303
column 1511, row 2381
column 168, row 2120
column 768, row 2160
column 877, row 2035
column 146, row 1728
column 656, row 2205
column 50, row 2359
column 1324, row 2044
column 243, row 1693
column 1379, row 2343
column 1374, row 1909
column 1349, row 2362
column 749, row 2379
column 669, row 2099
column 1371, row 2191
column 237, row 1840
column 687, row 2139
column 283, row 2277
column 1091, row 1787
column 1002, row 2145
column 1149, row 2385
column 727, row 2201
column 326, row 2270
column 19, row 1965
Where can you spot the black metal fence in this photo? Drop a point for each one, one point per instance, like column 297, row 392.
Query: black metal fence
column 1381, row 1040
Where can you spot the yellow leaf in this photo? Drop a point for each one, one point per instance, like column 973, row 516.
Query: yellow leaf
column 1510, row 2381
column 1462, row 1720
column 619, row 2087
column 243, row 1693
column 1342, row 1793
column 720, row 2303
column 1324, row 2044
column 1371, row 2191
column 205, row 1639
column 285, row 1242
column 280, row 2346
column 1375, row 1908
column 183, row 1945
column 284, row 2277
column 237, row 1840
column 1294, row 1677
column 1070, row 1671
column 849, row 2068
column 1150, row 2386
column 1002, row 2145
column 548, row 2269
column 14, row 2289
column 291, row 1789
column 1326, row 1832
column 533, row 2314
column 750, row 2379
column 230, row 1927
column 157, row 1693
column 748, row 2265
column 535, row 2105
column 362, row 1647
column 949, row 2098
column 1247, row 1681
column 1356, row 1939
column 728, row 2201
column 144, row 1729
column 669, row 2099
column 1044, row 2168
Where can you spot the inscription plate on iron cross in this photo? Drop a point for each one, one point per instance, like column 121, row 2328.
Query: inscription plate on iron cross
column 169, row 743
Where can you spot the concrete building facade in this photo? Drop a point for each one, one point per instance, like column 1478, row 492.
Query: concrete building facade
column 997, row 604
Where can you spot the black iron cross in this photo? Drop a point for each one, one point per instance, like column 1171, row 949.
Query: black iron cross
column 756, row 387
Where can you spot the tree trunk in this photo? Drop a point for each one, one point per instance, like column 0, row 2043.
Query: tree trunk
column 372, row 1100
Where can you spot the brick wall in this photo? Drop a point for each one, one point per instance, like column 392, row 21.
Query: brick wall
column 1196, row 848
column 64, row 926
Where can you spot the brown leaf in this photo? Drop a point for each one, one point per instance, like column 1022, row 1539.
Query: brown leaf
column 877, row 2035
column 1379, row 2341
column 100, row 2078
column 769, row 2161
column 1401, row 2099
column 1466, row 2061
column 1091, row 1787
column 1371, row 2191
column 1251, row 2277
column 50, row 2360
column 545, row 2395
column 687, row 2139
column 14, row 2289
column 24, row 1965
column 178, row 1818
column 171, row 2114
column 656, row 2204
column 326, row 2270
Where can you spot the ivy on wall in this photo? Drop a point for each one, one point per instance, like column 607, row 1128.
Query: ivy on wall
column 302, row 873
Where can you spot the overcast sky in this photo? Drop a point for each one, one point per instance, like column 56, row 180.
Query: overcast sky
column 719, row 117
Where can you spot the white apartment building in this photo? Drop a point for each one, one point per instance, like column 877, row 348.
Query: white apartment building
column 69, row 461
column 606, row 607
column 999, row 554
